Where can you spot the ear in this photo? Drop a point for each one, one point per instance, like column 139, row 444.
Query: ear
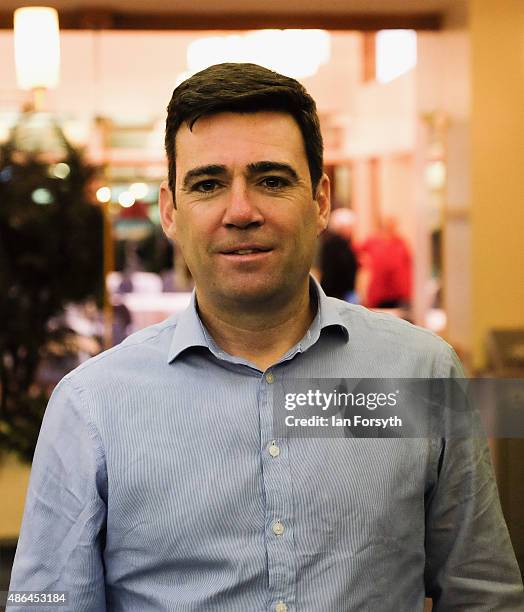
column 167, row 210
column 323, row 200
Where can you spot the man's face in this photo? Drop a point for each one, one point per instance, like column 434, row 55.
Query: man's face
column 245, row 219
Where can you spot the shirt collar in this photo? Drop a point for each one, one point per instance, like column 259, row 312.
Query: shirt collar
column 189, row 331
column 328, row 310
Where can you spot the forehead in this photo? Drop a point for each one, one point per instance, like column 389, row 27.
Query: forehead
column 233, row 139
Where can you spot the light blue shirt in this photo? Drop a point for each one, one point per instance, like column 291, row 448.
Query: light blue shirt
column 157, row 485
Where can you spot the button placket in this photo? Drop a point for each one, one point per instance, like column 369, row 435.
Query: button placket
column 279, row 506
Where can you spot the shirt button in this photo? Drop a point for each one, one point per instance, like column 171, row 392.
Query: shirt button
column 274, row 451
column 270, row 378
column 278, row 528
column 281, row 607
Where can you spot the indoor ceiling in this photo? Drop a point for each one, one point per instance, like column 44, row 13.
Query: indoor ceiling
column 258, row 6
column 188, row 14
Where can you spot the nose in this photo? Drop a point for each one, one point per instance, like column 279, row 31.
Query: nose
column 241, row 210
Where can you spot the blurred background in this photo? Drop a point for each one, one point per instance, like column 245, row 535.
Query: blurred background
column 420, row 104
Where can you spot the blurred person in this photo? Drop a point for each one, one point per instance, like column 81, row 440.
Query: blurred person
column 387, row 259
column 337, row 259
column 158, row 482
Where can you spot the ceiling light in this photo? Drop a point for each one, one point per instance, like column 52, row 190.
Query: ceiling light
column 37, row 47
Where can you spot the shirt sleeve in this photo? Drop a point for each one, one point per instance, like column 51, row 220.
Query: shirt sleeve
column 63, row 528
column 470, row 563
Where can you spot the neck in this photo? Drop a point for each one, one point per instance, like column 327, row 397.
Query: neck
column 261, row 335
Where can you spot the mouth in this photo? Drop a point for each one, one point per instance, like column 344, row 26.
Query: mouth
column 246, row 250
column 246, row 255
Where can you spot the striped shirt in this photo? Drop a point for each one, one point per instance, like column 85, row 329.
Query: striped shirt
column 158, row 484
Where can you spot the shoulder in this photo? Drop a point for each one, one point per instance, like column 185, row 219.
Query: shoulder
column 143, row 349
column 384, row 334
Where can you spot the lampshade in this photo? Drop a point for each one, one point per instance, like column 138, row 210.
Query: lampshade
column 295, row 53
column 37, row 47
column 396, row 53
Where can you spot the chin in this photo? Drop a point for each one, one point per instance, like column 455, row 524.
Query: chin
column 250, row 293
column 247, row 295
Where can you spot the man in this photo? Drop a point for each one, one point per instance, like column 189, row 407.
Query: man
column 158, row 482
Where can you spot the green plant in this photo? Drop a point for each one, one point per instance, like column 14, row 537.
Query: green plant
column 51, row 251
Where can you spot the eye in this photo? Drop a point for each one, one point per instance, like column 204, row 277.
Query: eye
column 274, row 182
column 207, row 186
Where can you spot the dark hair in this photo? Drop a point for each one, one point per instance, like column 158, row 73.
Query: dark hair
column 243, row 88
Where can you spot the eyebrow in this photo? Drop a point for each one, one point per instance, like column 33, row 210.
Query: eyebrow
column 209, row 170
column 271, row 166
column 252, row 169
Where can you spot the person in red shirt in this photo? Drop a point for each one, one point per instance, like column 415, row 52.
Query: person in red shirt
column 388, row 260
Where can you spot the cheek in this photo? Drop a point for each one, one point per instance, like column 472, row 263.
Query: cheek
column 309, row 228
column 193, row 236
column 308, row 237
